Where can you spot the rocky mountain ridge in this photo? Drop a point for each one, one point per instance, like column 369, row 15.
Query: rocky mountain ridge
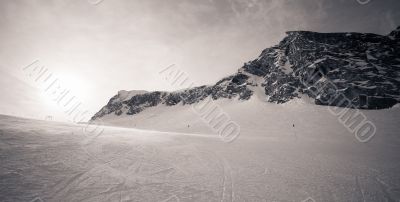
column 364, row 68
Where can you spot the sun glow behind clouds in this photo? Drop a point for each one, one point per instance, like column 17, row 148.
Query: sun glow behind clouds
column 62, row 93
column 75, row 83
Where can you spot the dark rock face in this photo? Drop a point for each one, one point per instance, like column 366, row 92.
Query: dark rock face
column 231, row 87
column 361, row 69
column 323, row 65
column 139, row 102
column 395, row 34
column 380, row 102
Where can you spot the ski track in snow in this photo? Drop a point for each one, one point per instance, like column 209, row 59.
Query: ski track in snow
column 54, row 161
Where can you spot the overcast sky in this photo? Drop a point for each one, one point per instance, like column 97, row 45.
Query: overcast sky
column 97, row 49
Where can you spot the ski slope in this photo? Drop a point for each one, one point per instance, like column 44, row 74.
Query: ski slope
column 163, row 159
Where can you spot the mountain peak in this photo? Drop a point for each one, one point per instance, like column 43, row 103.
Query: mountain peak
column 362, row 67
column 395, row 34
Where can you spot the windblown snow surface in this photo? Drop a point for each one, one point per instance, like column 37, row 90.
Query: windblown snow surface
column 163, row 159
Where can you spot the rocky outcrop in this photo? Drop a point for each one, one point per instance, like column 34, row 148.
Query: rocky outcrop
column 363, row 68
column 230, row 87
column 324, row 65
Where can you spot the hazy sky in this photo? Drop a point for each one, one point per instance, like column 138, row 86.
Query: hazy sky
column 96, row 50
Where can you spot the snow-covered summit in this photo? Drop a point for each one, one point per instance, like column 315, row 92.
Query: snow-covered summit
column 362, row 67
column 124, row 95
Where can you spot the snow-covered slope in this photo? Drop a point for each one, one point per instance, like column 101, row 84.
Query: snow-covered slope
column 363, row 68
column 271, row 160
